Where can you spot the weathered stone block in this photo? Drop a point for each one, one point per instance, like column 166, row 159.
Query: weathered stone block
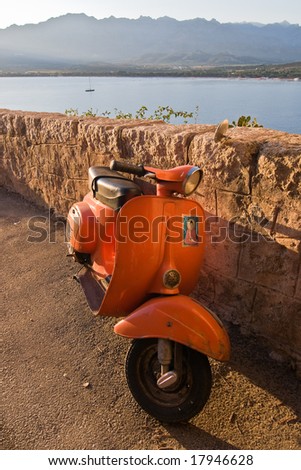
column 278, row 174
column 205, row 287
column 207, row 199
column 295, row 339
column 227, row 165
column 98, row 137
column 233, row 207
column 238, row 295
column 222, row 251
column 298, row 287
column 60, row 130
column 166, row 149
column 231, row 298
column 277, row 317
column 267, row 263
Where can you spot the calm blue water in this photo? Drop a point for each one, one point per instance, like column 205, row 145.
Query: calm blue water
column 275, row 103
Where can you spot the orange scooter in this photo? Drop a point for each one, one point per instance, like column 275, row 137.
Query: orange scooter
column 141, row 256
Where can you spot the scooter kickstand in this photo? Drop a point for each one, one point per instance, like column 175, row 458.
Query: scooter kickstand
column 168, row 377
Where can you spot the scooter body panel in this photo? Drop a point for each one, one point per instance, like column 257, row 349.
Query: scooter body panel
column 154, row 236
column 181, row 319
column 91, row 231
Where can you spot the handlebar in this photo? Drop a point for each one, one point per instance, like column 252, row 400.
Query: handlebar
column 137, row 170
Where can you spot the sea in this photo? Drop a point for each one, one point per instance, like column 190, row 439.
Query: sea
column 275, row 103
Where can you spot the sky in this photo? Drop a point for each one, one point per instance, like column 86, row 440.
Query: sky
column 262, row 11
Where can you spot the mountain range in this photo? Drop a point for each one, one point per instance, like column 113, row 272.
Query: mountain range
column 77, row 40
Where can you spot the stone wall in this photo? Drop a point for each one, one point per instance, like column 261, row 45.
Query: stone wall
column 250, row 192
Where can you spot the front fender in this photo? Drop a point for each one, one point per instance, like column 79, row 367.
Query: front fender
column 180, row 319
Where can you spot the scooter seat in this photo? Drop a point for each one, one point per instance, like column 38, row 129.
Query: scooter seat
column 111, row 188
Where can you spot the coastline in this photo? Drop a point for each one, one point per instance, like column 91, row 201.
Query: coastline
column 290, row 71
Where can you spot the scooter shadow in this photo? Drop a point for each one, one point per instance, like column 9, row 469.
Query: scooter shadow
column 251, row 358
column 192, row 437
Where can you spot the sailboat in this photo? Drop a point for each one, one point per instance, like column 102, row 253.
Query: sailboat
column 90, row 89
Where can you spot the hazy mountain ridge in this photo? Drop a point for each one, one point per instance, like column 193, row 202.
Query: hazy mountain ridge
column 76, row 39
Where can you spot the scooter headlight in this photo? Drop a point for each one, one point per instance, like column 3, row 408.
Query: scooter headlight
column 192, row 180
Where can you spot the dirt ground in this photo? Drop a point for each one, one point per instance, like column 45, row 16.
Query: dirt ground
column 53, row 346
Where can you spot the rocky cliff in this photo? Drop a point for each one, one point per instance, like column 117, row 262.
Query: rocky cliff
column 250, row 192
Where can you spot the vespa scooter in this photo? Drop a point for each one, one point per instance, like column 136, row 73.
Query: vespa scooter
column 141, row 256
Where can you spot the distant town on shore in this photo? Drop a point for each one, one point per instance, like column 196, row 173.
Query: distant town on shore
column 284, row 71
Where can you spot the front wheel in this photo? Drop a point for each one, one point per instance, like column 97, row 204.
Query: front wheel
column 178, row 402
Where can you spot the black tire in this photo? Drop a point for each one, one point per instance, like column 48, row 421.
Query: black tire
column 180, row 402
